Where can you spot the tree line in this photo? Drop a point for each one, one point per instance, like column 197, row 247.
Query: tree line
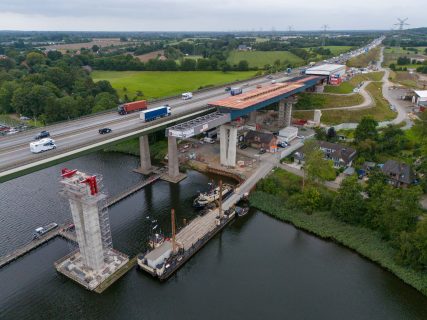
column 51, row 87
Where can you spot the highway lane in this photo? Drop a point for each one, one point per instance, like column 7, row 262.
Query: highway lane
column 69, row 135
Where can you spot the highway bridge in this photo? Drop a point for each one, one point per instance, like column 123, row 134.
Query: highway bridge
column 78, row 137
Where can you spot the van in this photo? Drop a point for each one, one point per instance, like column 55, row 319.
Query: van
column 208, row 140
column 42, row 145
column 187, row 95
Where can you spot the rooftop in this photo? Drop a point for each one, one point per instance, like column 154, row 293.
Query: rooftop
column 421, row 93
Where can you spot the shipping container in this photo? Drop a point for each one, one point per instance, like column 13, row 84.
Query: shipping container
column 155, row 113
column 132, row 107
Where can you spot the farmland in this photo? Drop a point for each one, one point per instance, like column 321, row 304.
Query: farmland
column 258, row 59
column 156, row 84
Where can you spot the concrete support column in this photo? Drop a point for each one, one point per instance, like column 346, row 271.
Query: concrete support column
column 252, row 117
column 223, row 144
column 88, row 232
column 173, row 162
column 144, row 154
column 281, row 119
column 228, row 141
column 232, row 142
column 288, row 114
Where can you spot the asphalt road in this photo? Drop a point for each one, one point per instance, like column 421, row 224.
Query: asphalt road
column 73, row 134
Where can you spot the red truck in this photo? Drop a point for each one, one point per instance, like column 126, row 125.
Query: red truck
column 132, row 107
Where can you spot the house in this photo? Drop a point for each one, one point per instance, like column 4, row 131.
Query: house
column 399, row 174
column 260, row 140
column 243, row 47
column 420, row 99
column 342, row 156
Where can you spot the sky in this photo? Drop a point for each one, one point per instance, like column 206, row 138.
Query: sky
column 208, row 15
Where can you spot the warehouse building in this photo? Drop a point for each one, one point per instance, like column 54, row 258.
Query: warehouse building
column 334, row 72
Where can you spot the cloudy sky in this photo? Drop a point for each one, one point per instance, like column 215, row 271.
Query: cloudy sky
column 206, row 15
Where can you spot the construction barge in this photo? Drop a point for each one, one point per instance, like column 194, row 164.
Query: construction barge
column 172, row 257
column 166, row 258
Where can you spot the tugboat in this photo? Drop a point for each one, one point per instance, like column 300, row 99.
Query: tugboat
column 156, row 240
column 241, row 211
column 204, row 199
column 42, row 230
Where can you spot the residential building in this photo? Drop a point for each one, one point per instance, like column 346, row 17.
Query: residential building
column 399, row 174
column 342, row 156
column 260, row 140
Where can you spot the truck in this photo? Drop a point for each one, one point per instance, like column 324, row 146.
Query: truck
column 130, row 107
column 42, row 145
column 187, row 95
column 155, row 113
column 236, row 91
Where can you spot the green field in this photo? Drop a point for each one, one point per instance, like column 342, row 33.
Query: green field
column 380, row 112
column 258, row 59
column 311, row 101
column 348, row 86
column 336, row 50
column 157, row 84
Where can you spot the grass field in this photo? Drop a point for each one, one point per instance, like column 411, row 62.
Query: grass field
column 391, row 55
column 380, row 112
column 336, row 50
column 259, row 59
column 157, row 84
column 348, row 86
column 307, row 101
column 405, row 78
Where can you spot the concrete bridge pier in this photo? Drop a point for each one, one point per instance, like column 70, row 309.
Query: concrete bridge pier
column 173, row 174
column 285, row 112
column 281, row 113
column 288, row 113
column 228, row 142
column 144, row 154
column 252, row 117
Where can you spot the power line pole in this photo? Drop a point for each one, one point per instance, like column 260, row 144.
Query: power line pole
column 400, row 24
column 324, row 28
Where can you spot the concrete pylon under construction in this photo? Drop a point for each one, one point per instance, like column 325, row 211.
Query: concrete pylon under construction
column 95, row 261
column 173, row 174
column 86, row 203
column 228, row 142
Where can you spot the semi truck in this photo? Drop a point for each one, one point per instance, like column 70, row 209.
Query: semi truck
column 130, row 107
column 155, row 113
column 235, row 91
column 42, row 145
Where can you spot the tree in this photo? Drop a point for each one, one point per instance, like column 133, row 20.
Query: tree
column 331, row 134
column 316, row 167
column 104, row 101
column 188, row 65
column 95, row 48
column 348, row 205
column 54, row 55
column 413, row 247
column 32, row 100
column 6, row 95
column 320, row 134
column 366, row 129
column 34, row 58
column 243, row 65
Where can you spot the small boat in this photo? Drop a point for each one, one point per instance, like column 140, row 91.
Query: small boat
column 42, row 230
column 156, row 240
column 205, row 198
column 241, row 211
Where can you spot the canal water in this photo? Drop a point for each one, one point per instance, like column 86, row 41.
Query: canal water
column 257, row 268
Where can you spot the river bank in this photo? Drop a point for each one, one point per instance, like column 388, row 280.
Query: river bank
column 364, row 241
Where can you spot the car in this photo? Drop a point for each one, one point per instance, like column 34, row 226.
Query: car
column 270, row 77
column 243, row 146
column 23, row 118
column 43, row 134
column 273, row 81
column 104, row 130
column 262, row 151
column 227, row 89
column 282, row 144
